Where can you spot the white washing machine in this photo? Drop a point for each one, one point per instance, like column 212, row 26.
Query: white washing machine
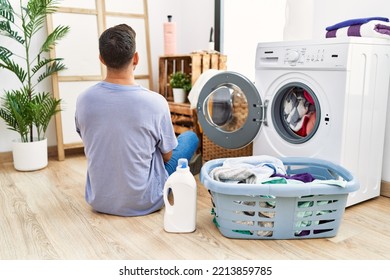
column 325, row 99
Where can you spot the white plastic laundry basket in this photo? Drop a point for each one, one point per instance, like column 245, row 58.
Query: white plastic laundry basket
column 281, row 211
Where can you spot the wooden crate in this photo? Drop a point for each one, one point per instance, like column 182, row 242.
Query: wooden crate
column 193, row 64
column 183, row 118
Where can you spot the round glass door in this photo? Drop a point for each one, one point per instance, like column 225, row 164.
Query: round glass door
column 226, row 108
column 230, row 110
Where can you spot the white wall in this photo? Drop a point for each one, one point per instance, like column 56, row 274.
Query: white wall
column 246, row 23
column 298, row 27
column 193, row 18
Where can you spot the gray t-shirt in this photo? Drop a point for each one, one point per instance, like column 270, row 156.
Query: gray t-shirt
column 124, row 130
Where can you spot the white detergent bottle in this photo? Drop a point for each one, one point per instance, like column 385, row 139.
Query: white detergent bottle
column 180, row 212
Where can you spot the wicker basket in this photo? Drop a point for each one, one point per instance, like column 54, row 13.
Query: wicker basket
column 281, row 211
column 210, row 150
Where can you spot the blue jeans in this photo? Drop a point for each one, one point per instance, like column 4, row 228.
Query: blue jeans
column 187, row 144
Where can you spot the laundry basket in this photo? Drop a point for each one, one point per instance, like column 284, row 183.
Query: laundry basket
column 281, row 211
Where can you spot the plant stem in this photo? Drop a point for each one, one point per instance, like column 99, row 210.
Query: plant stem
column 27, row 42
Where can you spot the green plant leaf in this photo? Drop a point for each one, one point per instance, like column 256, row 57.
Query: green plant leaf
column 41, row 7
column 6, row 10
column 37, row 10
column 6, row 30
column 51, row 69
column 58, row 33
column 43, row 63
column 34, row 26
column 5, row 53
column 15, row 110
column 15, row 68
column 44, row 107
column 180, row 80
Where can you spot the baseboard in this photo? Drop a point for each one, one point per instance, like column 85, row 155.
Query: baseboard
column 385, row 188
column 6, row 157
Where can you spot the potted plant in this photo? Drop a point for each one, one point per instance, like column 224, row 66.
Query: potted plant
column 25, row 110
column 180, row 83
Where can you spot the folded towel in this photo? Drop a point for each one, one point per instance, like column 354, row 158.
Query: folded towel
column 383, row 29
column 372, row 29
column 354, row 22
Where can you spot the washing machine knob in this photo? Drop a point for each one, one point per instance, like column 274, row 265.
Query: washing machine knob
column 293, row 56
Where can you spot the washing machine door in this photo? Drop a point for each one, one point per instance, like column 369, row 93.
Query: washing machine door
column 230, row 110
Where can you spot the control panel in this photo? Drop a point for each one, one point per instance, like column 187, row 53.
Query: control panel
column 311, row 56
column 303, row 55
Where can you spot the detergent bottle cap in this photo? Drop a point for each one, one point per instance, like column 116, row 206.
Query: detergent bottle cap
column 182, row 163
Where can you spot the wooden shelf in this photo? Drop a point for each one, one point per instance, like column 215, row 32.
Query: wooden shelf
column 193, row 64
column 183, row 117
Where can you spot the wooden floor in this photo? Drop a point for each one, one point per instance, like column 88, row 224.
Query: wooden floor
column 44, row 216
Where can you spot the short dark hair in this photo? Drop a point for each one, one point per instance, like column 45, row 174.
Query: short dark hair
column 117, row 46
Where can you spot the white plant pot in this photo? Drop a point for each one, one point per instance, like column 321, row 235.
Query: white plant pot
column 179, row 95
column 29, row 156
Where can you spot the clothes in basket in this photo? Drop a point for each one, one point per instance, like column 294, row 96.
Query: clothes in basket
column 262, row 197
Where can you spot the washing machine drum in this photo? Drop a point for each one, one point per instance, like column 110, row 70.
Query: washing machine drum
column 230, row 110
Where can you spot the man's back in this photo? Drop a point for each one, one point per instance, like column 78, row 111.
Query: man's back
column 124, row 130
